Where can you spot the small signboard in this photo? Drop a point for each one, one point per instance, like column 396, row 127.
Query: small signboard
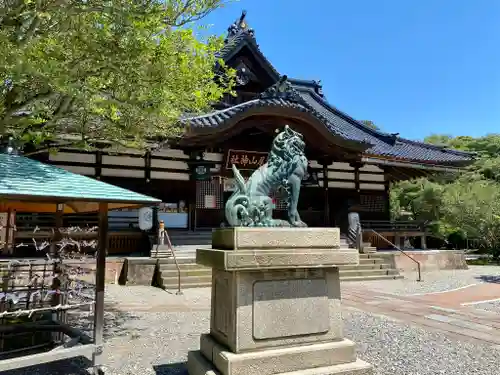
column 245, row 160
column 210, row 201
column 201, row 170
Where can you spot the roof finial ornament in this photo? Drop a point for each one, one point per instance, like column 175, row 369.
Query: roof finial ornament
column 240, row 25
column 281, row 89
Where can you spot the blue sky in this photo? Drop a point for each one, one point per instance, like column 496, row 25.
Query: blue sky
column 416, row 67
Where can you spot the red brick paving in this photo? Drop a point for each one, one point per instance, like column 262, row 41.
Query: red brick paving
column 442, row 312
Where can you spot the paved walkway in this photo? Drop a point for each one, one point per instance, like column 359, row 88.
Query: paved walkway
column 446, row 312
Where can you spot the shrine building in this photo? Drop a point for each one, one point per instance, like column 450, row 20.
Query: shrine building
column 351, row 165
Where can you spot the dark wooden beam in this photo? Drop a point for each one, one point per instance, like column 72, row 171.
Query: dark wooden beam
column 147, row 166
column 98, row 164
column 326, row 194
column 102, row 249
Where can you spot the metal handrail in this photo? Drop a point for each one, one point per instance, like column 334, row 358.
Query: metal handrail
column 169, row 244
column 398, row 248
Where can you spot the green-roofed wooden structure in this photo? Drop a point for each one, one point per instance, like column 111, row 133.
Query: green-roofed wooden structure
column 30, row 186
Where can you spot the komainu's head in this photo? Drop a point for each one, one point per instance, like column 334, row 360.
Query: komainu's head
column 287, row 144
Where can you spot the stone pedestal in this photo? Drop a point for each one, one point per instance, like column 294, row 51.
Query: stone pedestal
column 276, row 304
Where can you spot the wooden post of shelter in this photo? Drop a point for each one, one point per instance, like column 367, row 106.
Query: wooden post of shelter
column 102, row 247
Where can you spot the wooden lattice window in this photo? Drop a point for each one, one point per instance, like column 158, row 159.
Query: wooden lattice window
column 372, row 203
column 209, row 194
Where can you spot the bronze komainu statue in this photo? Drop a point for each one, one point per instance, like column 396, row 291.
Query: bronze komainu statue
column 250, row 204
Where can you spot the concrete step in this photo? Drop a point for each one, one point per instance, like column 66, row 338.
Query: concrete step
column 369, row 266
column 368, row 273
column 371, row 278
column 371, row 256
column 188, row 286
column 206, row 282
column 171, row 282
column 186, row 272
column 183, row 265
column 372, row 261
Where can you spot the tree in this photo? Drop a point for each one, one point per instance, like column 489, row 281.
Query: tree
column 122, row 71
column 370, row 124
column 466, row 204
column 474, row 207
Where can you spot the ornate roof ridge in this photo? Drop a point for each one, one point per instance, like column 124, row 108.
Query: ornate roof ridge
column 220, row 111
column 388, row 137
column 436, row 147
column 282, row 89
column 240, row 26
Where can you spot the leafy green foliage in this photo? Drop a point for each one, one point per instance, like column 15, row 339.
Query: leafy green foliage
column 370, row 124
column 123, row 71
column 466, row 205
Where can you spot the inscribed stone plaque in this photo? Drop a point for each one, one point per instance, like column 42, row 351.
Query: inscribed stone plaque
column 286, row 308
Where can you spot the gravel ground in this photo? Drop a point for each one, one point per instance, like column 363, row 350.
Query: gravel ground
column 437, row 281
column 149, row 332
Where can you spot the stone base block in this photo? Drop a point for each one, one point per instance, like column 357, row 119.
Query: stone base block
column 277, row 361
column 241, row 238
column 198, row 365
column 250, row 260
column 263, row 310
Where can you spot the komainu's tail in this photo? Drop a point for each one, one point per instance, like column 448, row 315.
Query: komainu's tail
column 240, row 181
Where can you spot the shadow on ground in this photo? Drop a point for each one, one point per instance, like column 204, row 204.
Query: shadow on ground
column 489, row 279
column 74, row 366
column 116, row 321
column 171, row 369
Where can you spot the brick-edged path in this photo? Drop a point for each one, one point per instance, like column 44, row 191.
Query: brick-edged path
column 442, row 312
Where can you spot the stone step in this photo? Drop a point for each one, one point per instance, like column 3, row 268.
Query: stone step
column 171, row 282
column 186, row 272
column 369, row 266
column 184, row 262
column 372, row 261
column 196, row 270
column 371, row 278
column 195, row 276
column 163, row 254
column 368, row 273
column 370, row 256
column 207, row 282
column 188, row 285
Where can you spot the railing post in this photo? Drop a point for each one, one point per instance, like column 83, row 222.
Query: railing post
column 419, row 278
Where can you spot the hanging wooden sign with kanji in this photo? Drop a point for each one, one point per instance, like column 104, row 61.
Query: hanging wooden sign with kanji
column 245, row 160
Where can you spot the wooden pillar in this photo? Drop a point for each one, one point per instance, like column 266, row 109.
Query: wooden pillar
column 8, row 247
column 102, row 248
column 147, row 166
column 356, row 175
column 397, row 240
column 387, row 185
column 58, row 282
column 57, row 233
column 326, row 219
column 424, row 241
column 98, row 164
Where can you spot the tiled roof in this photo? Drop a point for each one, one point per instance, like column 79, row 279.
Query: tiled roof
column 21, row 177
column 303, row 97
column 307, row 96
column 383, row 144
column 239, row 36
